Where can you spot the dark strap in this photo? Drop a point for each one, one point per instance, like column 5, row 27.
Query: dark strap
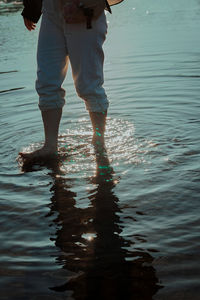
column 108, row 7
column 88, row 12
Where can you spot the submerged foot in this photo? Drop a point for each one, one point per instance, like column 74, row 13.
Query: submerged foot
column 44, row 153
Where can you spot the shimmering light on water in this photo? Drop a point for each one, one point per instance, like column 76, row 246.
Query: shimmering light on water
column 89, row 236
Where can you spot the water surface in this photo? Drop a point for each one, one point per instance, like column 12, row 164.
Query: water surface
column 76, row 230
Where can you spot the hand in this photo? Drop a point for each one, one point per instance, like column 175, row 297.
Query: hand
column 29, row 24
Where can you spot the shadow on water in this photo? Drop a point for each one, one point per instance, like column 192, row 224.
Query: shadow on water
column 91, row 247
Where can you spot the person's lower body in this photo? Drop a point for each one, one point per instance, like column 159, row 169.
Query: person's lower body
column 58, row 44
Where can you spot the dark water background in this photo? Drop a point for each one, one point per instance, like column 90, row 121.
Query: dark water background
column 75, row 231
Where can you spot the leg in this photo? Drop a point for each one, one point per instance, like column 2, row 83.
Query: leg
column 52, row 66
column 51, row 120
column 98, row 120
column 87, row 58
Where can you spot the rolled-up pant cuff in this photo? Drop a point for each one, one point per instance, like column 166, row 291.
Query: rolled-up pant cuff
column 44, row 105
column 96, row 105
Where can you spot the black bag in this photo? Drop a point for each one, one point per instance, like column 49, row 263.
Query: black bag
column 80, row 11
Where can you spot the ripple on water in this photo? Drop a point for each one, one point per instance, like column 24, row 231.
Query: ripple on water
column 122, row 146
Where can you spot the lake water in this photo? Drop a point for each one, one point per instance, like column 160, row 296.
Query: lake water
column 75, row 230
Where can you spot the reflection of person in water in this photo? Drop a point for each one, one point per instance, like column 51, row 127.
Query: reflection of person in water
column 91, row 245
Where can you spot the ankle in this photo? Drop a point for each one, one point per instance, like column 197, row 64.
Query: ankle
column 98, row 140
column 50, row 147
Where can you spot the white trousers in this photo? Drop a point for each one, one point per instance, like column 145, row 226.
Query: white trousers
column 60, row 43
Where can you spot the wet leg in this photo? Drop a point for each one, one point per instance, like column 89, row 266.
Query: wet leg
column 98, row 120
column 51, row 121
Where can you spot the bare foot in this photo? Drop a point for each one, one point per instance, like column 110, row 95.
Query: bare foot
column 44, row 153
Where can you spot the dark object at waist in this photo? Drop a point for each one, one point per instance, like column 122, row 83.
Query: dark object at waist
column 33, row 9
